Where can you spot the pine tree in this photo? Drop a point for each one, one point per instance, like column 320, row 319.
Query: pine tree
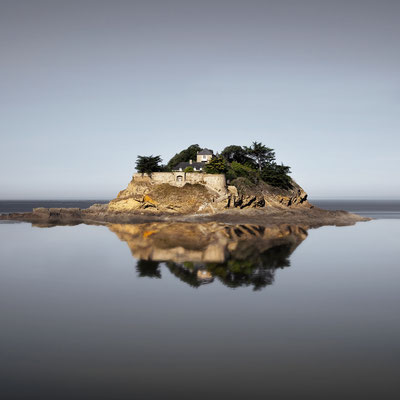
column 148, row 164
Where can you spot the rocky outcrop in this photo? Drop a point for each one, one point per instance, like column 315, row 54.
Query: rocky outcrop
column 245, row 195
column 306, row 215
column 240, row 203
column 163, row 198
column 151, row 196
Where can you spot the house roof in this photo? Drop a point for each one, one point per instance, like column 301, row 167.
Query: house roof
column 183, row 165
column 205, row 152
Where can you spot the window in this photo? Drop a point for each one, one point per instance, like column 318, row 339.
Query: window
column 204, row 158
column 179, row 178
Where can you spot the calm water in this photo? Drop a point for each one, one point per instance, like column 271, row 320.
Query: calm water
column 9, row 206
column 200, row 311
column 380, row 209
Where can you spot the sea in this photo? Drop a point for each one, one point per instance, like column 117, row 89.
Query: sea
column 208, row 311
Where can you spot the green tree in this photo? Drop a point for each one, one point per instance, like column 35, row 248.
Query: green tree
column 236, row 153
column 164, row 168
column 237, row 170
column 148, row 164
column 189, row 169
column 277, row 175
column 184, row 156
column 217, row 165
column 261, row 154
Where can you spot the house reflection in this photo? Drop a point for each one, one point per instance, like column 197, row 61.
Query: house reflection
column 197, row 254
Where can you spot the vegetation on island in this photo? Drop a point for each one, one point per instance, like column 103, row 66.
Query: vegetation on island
column 148, row 164
column 184, row 156
column 253, row 164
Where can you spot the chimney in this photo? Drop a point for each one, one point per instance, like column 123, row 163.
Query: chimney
column 190, row 161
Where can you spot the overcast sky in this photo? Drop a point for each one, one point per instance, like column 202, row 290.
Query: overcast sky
column 86, row 86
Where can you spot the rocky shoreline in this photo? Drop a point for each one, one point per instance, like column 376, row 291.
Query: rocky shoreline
column 149, row 199
column 99, row 214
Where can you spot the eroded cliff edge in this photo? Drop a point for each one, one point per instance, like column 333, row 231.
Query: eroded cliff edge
column 186, row 193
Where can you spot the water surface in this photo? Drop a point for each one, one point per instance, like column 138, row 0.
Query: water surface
column 10, row 206
column 378, row 209
column 213, row 311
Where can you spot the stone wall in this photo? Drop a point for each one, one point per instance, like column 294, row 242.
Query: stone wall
column 213, row 181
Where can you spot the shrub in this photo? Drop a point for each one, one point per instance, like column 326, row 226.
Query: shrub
column 243, row 185
column 230, row 175
column 240, row 170
column 188, row 169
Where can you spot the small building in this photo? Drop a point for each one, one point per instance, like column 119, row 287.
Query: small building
column 197, row 166
column 203, row 157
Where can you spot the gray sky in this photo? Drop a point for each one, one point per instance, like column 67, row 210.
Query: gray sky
column 86, row 86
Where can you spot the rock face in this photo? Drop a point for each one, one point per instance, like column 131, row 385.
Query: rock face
column 162, row 198
column 264, row 195
column 147, row 200
column 149, row 195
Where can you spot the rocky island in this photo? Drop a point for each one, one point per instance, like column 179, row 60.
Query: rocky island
column 242, row 185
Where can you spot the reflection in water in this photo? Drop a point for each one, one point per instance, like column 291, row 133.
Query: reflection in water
column 148, row 268
column 237, row 255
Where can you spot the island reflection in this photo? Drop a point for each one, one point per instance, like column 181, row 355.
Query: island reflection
column 236, row 255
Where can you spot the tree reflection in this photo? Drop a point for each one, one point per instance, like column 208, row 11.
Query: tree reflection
column 198, row 254
column 258, row 272
column 148, row 268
